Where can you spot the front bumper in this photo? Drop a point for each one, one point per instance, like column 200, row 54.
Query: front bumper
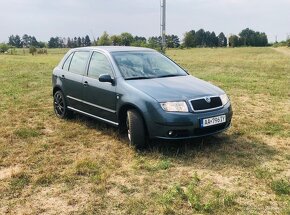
column 175, row 126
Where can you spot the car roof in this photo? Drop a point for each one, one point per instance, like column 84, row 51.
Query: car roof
column 114, row 48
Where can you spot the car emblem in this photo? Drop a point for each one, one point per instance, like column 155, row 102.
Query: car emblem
column 207, row 99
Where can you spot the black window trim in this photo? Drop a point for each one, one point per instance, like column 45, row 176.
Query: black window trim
column 87, row 62
column 90, row 58
column 71, row 54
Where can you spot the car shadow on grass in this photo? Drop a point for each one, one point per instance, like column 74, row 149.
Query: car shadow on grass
column 217, row 151
column 227, row 148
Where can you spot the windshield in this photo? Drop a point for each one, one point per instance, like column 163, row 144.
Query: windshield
column 145, row 65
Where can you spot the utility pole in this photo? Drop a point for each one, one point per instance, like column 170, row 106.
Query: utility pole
column 163, row 25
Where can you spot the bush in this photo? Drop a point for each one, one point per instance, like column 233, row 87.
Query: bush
column 12, row 51
column 32, row 50
column 42, row 51
column 288, row 43
column 4, row 47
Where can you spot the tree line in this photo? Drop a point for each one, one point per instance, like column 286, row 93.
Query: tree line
column 127, row 39
column 200, row 38
column 248, row 37
column 24, row 41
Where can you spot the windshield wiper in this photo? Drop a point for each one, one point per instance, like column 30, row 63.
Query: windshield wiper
column 138, row 78
column 166, row 76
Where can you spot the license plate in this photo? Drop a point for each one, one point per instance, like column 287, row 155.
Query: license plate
column 213, row 121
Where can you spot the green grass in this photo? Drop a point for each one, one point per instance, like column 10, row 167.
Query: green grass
column 19, row 181
column 281, row 187
column 81, row 166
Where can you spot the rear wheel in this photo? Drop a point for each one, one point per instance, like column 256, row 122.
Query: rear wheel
column 60, row 107
column 136, row 129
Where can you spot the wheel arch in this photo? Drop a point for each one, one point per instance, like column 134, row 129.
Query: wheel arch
column 55, row 89
column 122, row 114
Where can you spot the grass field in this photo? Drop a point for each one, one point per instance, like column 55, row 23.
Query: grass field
column 81, row 166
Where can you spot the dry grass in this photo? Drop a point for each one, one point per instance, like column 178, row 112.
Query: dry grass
column 81, row 166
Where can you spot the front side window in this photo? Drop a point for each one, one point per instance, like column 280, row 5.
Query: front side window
column 79, row 62
column 142, row 65
column 99, row 65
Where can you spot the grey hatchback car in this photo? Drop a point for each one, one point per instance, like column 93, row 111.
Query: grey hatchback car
column 139, row 90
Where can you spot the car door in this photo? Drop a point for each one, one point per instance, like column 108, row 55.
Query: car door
column 72, row 78
column 100, row 97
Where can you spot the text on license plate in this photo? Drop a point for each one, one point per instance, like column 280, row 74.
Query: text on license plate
column 213, row 121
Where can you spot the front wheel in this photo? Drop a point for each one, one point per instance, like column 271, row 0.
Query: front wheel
column 59, row 105
column 136, row 129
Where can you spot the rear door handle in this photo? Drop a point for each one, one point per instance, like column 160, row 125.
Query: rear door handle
column 86, row 84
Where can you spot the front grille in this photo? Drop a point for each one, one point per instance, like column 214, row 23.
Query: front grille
column 203, row 105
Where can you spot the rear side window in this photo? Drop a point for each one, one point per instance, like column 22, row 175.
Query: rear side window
column 79, row 62
column 67, row 62
column 99, row 65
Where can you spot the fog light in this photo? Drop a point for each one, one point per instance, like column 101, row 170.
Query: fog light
column 171, row 133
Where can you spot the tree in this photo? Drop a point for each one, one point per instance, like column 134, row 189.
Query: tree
column 87, row 41
column 155, row 42
column 79, row 42
column 206, row 39
column 126, row 39
column 33, row 42
column 172, row 41
column 69, row 43
column 41, row 44
column 213, row 40
column 234, row 41
column 249, row 37
column 116, row 40
column 52, row 43
column 26, row 40
column 75, row 42
column 82, row 42
column 15, row 41
column 139, row 41
column 55, row 42
column 104, row 40
column 262, row 39
column 222, row 40
column 176, row 41
column 200, row 37
column 189, row 39
column 4, row 47
column 288, row 42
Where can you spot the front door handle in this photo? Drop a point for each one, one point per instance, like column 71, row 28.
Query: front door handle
column 86, row 84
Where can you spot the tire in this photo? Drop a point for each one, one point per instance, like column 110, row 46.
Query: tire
column 60, row 106
column 136, row 129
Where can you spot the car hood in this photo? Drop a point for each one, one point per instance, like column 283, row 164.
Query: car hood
column 175, row 88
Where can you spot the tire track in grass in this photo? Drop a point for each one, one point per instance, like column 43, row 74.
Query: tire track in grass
column 284, row 51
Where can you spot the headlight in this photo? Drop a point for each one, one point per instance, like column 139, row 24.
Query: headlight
column 174, row 106
column 224, row 98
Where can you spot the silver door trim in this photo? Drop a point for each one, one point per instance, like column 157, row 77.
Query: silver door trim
column 91, row 115
column 88, row 103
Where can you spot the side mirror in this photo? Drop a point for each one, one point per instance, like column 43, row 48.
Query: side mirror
column 106, row 78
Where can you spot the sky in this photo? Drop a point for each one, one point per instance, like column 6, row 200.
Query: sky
column 69, row 18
